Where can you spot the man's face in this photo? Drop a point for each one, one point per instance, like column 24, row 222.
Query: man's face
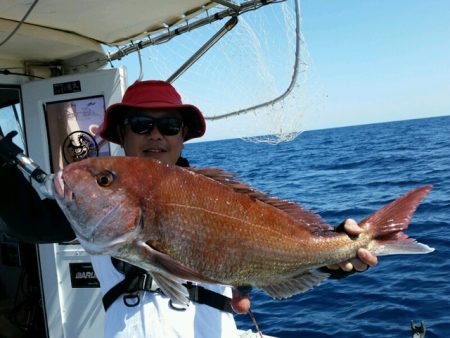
column 166, row 148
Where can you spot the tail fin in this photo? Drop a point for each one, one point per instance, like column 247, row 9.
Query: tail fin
column 386, row 226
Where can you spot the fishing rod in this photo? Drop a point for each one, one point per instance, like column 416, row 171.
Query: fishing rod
column 10, row 153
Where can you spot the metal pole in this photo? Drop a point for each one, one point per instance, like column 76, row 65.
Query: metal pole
column 229, row 25
column 244, row 7
column 228, row 4
column 293, row 77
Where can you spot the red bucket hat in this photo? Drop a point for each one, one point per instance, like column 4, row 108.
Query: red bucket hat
column 152, row 95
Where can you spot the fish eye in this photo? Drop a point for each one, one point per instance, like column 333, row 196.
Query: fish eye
column 105, row 178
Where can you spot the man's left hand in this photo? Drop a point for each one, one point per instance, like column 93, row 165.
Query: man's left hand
column 365, row 258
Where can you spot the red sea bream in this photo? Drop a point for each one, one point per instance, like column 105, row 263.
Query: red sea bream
column 202, row 225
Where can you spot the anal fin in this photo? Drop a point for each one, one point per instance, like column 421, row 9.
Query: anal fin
column 298, row 284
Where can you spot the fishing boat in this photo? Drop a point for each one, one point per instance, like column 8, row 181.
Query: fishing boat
column 59, row 69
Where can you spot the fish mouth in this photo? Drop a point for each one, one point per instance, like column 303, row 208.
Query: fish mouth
column 61, row 189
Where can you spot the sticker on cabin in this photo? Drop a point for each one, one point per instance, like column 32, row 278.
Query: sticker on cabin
column 78, row 146
column 82, row 275
column 72, row 129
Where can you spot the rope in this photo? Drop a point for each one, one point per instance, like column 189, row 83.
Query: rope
column 252, row 317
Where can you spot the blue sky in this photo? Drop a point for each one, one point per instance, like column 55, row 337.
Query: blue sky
column 380, row 60
column 369, row 61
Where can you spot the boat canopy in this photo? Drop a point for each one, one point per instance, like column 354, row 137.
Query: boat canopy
column 56, row 30
column 73, row 33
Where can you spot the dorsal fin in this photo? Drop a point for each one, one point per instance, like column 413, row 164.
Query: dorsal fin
column 308, row 218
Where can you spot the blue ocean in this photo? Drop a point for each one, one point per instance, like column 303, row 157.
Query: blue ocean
column 349, row 173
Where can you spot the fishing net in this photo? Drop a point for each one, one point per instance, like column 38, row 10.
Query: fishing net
column 253, row 84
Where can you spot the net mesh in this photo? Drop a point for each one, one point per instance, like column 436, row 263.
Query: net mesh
column 253, row 84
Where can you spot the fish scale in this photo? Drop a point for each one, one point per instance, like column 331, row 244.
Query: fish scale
column 231, row 236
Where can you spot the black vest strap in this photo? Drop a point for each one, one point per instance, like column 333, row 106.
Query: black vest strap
column 130, row 285
column 201, row 295
column 137, row 280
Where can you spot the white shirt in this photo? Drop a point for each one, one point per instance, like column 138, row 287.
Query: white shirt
column 154, row 317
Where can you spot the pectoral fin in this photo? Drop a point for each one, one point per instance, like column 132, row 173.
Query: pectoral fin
column 298, row 284
column 168, row 273
column 165, row 263
column 172, row 287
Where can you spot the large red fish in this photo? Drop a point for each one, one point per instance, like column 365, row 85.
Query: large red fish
column 201, row 225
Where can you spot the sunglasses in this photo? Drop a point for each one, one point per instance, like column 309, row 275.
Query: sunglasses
column 142, row 125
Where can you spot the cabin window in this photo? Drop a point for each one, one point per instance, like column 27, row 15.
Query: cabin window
column 11, row 117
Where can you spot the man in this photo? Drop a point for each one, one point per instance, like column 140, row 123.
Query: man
column 151, row 121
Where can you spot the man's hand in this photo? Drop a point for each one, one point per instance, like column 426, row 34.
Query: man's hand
column 240, row 302
column 365, row 258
